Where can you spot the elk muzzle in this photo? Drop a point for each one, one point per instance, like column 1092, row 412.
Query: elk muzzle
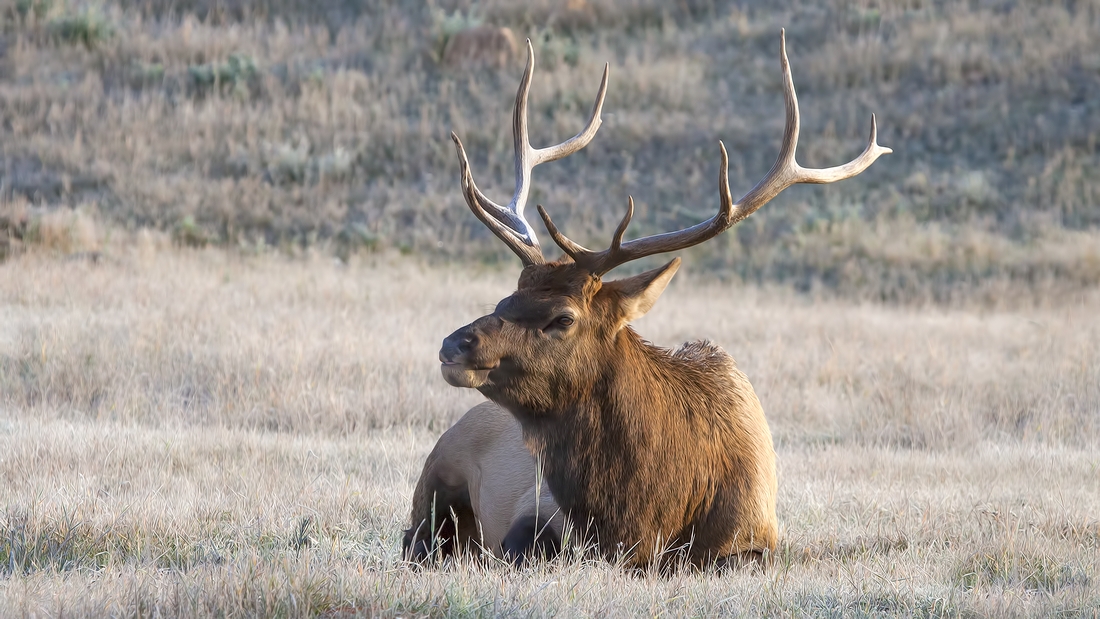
column 463, row 358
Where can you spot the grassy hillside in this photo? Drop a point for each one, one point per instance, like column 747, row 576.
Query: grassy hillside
column 284, row 122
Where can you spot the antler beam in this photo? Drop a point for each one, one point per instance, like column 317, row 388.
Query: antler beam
column 507, row 222
column 784, row 173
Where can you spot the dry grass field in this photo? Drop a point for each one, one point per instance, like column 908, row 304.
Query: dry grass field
column 210, row 433
column 232, row 241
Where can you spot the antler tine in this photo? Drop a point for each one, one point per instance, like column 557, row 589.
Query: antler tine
column 508, row 222
column 524, row 246
column 617, row 239
column 592, row 261
column 569, row 247
column 579, row 141
column 784, row 173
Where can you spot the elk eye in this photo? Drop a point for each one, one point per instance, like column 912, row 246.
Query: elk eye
column 564, row 321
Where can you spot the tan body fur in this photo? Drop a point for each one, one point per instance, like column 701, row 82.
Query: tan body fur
column 481, row 471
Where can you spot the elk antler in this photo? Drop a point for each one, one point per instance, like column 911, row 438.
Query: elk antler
column 784, row 173
column 508, row 222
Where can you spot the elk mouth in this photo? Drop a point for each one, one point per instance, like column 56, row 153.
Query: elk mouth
column 459, row 375
column 464, row 363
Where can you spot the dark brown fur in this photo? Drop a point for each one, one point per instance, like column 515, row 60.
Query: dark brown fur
column 645, row 448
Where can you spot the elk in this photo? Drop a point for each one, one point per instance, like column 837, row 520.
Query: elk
column 647, row 449
column 480, row 487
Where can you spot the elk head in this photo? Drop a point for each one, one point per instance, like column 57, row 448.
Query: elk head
column 549, row 342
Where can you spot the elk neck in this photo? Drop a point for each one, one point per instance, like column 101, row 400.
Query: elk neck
column 597, row 439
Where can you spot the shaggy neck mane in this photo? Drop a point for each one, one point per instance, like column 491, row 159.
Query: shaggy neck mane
column 646, row 401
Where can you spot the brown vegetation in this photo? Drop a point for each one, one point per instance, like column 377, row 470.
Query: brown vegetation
column 288, row 123
column 480, row 45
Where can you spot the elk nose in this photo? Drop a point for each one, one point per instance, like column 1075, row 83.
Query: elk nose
column 457, row 344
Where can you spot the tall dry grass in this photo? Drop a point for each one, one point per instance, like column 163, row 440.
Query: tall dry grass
column 151, row 336
column 287, row 123
column 203, row 433
column 112, row 520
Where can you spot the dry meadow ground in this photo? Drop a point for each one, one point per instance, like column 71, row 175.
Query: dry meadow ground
column 217, row 356
column 210, row 433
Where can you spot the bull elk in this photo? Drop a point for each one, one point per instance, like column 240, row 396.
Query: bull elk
column 646, row 449
column 480, row 489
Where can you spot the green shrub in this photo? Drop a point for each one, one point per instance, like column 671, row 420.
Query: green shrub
column 37, row 8
column 143, row 73
column 189, row 234
column 89, row 27
column 234, row 75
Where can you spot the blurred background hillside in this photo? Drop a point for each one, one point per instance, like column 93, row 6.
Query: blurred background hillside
column 295, row 123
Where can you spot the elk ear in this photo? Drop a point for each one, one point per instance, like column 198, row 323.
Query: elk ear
column 640, row 292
